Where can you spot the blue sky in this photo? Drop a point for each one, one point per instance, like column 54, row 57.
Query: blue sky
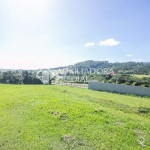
column 50, row 33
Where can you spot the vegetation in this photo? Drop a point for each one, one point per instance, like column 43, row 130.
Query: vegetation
column 16, row 77
column 58, row 117
column 141, row 76
column 130, row 73
column 122, row 79
column 120, row 68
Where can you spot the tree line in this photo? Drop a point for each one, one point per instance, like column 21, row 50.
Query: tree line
column 124, row 73
column 122, row 79
column 16, row 77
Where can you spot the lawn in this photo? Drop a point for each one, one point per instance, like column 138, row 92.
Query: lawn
column 50, row 117
column 141, row 76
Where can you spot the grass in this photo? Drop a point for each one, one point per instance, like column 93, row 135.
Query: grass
column 40, row 117
column 141, row 76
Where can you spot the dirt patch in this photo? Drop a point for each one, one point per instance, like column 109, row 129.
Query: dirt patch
column 55, row 113
column 63, row 116
column 66, row 138
column 72, row 142
column 97, row 111
column 64, row 91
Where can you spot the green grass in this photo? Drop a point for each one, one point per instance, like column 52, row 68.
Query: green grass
column 141, row 76
column 40, row 117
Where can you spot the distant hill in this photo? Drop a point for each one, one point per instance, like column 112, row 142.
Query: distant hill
column 5, row 70
column 146, row 62
column 128, row 73
column 119, row 68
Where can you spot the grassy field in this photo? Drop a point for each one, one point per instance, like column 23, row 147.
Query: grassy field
column 141, row 76
column 50, row 117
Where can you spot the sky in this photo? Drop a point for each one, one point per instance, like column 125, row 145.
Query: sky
column 38, row 34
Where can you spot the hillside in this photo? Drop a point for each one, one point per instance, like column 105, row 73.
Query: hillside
column 119, row 68
column 129, row 73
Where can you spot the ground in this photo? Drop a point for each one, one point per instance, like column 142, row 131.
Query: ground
column 45, row 117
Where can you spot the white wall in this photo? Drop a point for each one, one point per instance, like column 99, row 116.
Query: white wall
column 126, row 89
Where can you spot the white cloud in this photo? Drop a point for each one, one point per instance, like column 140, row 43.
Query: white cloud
column 137, row 60
column 129, row 55
column 109, row 42
column 89, row 44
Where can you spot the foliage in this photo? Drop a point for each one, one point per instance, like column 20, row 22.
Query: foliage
column 119, row 68
column 129, row 73
column 122, row 79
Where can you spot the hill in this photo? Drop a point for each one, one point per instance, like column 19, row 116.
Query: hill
column 119, row 68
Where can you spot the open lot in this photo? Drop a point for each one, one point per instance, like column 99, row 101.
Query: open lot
column 45, row 117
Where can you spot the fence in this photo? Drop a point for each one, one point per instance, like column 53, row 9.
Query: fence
column 125, row 89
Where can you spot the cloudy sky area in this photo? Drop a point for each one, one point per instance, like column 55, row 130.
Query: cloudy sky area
column 50, row 33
